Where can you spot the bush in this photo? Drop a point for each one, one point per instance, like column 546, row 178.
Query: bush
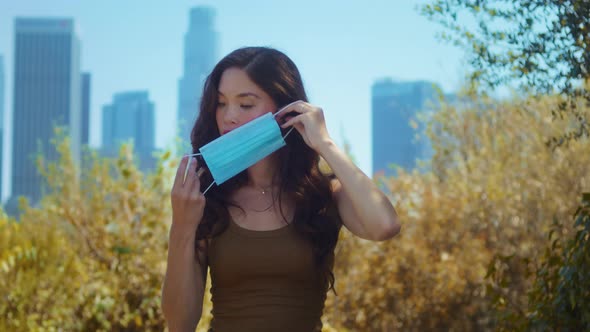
column 493, row 190
column 91, row 256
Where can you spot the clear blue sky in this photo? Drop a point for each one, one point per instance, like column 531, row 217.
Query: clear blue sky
column 340, row 47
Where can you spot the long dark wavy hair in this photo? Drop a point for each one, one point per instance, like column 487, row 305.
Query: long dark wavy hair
column 299, row 173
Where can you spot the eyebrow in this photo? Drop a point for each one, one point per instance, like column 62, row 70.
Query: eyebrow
column 244, row 94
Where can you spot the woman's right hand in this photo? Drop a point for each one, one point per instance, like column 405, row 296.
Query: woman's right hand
column 188, row 202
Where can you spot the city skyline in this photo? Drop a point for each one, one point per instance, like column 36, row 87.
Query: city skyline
column 199, row 55
column 129, row 117
column 399, row 137
column 331, row 47
column 47, row 93
column 86, row 87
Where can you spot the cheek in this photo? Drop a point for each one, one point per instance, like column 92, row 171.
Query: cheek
column 250, row 117
column 266, row 108
column 218, row 120
column 247, row 118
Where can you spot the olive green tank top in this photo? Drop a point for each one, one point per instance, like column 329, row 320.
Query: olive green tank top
column 264, row 281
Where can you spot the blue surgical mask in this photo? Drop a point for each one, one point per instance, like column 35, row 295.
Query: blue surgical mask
column 230, row 154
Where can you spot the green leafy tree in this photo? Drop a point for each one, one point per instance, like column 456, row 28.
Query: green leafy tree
column 542, row 46
column 559, row 299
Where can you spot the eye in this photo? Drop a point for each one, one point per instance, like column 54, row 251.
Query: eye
column 220, row 104
column 246, row 106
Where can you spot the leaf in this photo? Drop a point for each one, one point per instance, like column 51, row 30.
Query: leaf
column 122, row 250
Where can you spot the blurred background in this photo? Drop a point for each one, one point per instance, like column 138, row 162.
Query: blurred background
column 471, row 116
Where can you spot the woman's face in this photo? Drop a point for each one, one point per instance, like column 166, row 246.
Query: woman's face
column 239, row 101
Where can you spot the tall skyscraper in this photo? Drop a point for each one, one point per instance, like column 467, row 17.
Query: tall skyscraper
column 130, row 118
column 395, row 106
column 46, row 94
column 1, row 123
column 200, row 53
column 85, row 134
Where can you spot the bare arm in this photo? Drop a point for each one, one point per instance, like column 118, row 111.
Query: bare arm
column 184, row 283
column 364, row 209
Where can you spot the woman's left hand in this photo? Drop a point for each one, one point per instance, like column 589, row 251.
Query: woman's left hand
column 309, row 122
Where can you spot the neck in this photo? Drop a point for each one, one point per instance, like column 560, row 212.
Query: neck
column 261, row 174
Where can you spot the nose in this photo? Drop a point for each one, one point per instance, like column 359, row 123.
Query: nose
column 230, row 117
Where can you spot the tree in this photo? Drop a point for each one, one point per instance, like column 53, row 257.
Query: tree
column 541, row 46
column 559, row 299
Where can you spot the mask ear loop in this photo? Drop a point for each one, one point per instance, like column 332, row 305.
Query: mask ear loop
column 206, row 190
column 287, row 134
column 212, row 183
column 279, row 111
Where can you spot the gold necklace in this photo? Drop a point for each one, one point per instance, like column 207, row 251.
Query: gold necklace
column 264, row 190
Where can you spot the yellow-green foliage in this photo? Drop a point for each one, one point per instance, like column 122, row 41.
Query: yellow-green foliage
column 92, row 255
column 40, row 277
column 495, row 188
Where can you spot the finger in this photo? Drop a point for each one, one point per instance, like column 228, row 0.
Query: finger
column 179, row 179
column 288, row 117
column 190, row 160
column 292, row 121
column 201, row 171
column 291, row 105
column 192, row 169
column 299, row 126
column 196, row 181
column 285, row 110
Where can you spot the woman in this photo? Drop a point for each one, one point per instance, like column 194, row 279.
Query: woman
column 267, row 234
